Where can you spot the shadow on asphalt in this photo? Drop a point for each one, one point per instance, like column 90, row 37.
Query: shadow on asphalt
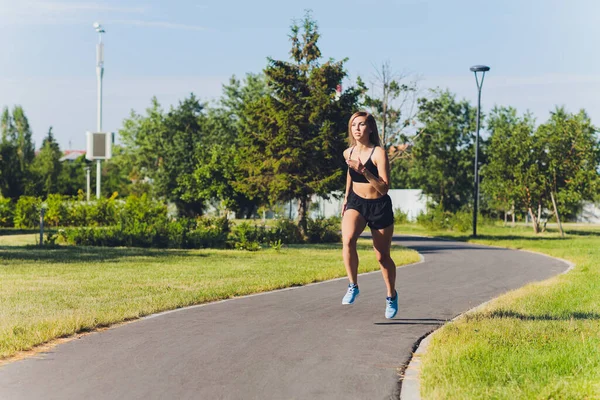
column 413, row 321
column 435, row 249
column 464, row 238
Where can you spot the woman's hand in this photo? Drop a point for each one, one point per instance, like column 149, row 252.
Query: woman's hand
column 356, row 165
column 344, row 206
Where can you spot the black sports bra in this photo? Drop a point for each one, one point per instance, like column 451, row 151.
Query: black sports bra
column 360, row 178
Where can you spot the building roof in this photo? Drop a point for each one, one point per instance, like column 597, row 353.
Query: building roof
column 72, row 155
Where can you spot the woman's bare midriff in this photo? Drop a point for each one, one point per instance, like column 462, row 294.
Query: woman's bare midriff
column 365, row 190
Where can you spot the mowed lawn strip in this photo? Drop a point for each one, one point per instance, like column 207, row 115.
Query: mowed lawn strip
column 538, row 342
column 51, row 293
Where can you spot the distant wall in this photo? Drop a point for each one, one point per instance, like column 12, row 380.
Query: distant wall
column 590, row 213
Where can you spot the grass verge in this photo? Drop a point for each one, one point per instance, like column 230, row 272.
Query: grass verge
column 538, row 342
column 52, row 293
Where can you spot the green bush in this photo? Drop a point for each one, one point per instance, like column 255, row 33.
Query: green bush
column 27, row 212
column 322, row 230
column 103, row 212
column 437, row 219
column 286, row 230
column 142, row 209
column 246, row 232
column 462, row 221
column 77, row 213
column 56, row 211
column 6, row 213
column 400, row 217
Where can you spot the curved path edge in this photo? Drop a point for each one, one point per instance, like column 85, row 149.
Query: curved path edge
column 410, row 383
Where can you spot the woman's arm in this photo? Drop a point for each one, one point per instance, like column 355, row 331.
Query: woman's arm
column 348, row 186
column 380, row 184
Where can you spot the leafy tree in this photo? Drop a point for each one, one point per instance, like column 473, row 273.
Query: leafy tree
column 400, row 177
column 293, row 138
column 573, row 156
column 443, row 156
column 165, row 147
column 116, row 174
column 551, row 168
column 218, row 172
column 511, row 177
column 215, row 178
column 72, row 178
column 45, row 168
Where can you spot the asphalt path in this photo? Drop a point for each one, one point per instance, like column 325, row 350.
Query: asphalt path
column 298, row 343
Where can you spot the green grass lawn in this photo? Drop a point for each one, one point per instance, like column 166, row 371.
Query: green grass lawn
column 539, row 342
column 51, row 293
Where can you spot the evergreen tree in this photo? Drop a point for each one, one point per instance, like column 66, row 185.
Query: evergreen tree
column 16, row 153
column 25, row 147
column 45, row 169
column 293, row 139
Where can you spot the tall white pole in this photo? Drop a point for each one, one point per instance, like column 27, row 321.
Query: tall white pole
column 100, row 74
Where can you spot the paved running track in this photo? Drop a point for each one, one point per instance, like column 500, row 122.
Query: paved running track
column 299, row 343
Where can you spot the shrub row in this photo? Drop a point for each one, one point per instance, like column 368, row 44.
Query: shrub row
column 67, row 211
column 200, row 233
column 161, row 233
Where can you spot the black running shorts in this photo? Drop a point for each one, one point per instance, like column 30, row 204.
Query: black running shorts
column 378, row 212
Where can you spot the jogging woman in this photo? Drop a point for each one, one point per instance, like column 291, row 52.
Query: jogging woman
column 367, row 203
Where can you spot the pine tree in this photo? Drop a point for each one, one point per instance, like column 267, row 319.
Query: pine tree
column 294, row 137
column 46, row 168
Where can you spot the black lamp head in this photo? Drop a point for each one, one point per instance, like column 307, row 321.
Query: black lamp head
column 480, row 68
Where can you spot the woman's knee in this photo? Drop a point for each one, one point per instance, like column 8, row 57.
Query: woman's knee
column 383, row 257
column 349, row 241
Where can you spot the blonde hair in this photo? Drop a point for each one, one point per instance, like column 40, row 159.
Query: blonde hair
column 371, row 124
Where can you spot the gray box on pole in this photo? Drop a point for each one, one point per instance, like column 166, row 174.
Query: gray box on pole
column 99, row 145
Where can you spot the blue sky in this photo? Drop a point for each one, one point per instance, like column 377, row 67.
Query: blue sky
column 542, row 53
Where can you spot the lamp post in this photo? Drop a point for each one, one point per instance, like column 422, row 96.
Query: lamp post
column 99, row 74
column 483, row 69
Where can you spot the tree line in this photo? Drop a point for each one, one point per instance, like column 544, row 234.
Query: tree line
column 278, row 136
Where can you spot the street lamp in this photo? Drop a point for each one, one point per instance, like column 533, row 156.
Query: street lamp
column 483, row 69
column 100, row 74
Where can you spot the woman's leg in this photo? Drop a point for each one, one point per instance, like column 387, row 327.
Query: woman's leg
column 352, row 226
column 382, row 243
